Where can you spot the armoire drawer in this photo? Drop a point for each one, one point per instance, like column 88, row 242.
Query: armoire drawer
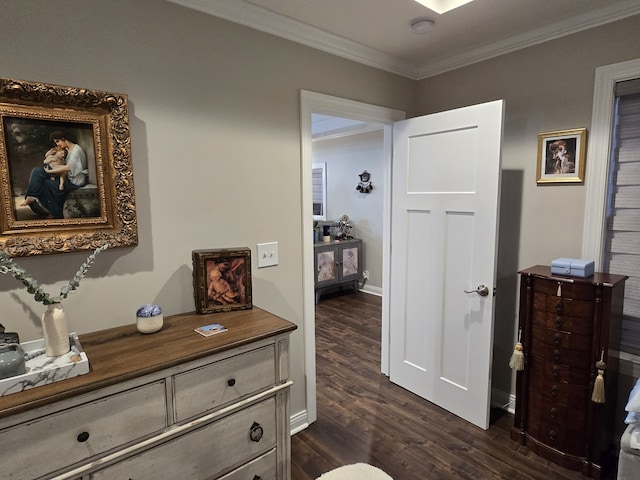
column 60, row 439
column 553, row 413
column 563, row 339
column 560, row 355
column 558, row 373
column 558, row 438
column 563, row 305
column 551, row 388
column 569, row 289
column 223, row 382
column 567, row 323
column 205, row 452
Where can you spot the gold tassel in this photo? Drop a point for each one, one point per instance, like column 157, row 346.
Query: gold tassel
column 598, row 386
column 517, row 357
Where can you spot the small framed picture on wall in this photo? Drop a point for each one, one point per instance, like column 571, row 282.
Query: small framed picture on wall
column 561, row 156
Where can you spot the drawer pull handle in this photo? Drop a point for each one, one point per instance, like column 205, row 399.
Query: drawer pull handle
column 83, row 437
column 559, row 307
column 553, row 413
column 558, row 321
column 231, row 382
column 556, row 355
column 556, row 371
column 557, row 339
column 553, row 435
column 256, row 432
column 554, row 390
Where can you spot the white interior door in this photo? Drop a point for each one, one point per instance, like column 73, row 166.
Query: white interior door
column 444, row 219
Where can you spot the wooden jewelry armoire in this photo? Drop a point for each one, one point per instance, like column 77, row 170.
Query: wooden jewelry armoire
column 567, row 326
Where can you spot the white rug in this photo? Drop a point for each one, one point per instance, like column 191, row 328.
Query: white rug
column 358, row 471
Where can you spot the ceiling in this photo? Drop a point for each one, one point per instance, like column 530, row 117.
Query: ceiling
column 378, row 32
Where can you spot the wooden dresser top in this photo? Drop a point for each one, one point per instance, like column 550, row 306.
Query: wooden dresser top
column 122, row 353
column 544, row 271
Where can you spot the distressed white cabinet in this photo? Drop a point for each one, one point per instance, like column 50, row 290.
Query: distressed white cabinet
column 168, row 405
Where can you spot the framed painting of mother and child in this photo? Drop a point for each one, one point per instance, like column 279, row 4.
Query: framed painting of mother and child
column 66, row 178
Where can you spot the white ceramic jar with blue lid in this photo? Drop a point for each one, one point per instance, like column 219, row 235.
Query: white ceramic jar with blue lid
column 149, row 318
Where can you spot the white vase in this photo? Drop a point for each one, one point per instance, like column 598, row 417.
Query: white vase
column 56, row 332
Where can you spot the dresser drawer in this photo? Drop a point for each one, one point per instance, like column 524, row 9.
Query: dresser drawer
column 567, row 323
column 558, row 415
column 205, row 452
column 558, row 373
column 52, row 442
column 548, row 386
column 562, row 339
column 264, row 468
column 564, row 440
column 223, row 382
column 576, row 291
column 563, row 305
column 561, row 356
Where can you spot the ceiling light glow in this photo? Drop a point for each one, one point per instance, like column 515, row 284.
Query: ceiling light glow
column 443, row 6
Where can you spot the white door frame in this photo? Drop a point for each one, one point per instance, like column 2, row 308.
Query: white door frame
column 311, row 102
column 599, row 153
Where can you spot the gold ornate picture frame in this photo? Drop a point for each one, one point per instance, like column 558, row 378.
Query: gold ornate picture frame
column 222, row 279
column 561, row 156
column 102, row 210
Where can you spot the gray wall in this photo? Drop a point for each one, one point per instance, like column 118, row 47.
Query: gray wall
column 546, row 88
column 215, row 130
column 346, row 158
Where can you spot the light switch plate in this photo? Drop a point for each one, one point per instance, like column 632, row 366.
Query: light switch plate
column 267, row 254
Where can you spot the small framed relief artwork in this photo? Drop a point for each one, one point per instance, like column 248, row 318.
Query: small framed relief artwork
column 222, row 279
column 561, row 156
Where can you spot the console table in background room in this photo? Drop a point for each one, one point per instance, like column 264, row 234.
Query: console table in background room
column 566, row 324
column 167, row 405
column 337, row 263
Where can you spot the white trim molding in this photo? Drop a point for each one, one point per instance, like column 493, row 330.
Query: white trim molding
column 598, row 154
column 265, row 20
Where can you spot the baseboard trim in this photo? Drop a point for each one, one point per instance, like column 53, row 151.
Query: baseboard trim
column 298, row 422
column 504, row 400
column 371, row 290
column 499, row 399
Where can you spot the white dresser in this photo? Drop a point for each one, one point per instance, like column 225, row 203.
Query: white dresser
column 168, row 405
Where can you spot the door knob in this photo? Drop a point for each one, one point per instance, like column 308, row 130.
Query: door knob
column 482, row 290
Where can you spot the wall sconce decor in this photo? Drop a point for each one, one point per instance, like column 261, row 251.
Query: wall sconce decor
column 365, row 185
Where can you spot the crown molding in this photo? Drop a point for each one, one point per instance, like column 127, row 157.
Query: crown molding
column 550, row 32
column 264, row 20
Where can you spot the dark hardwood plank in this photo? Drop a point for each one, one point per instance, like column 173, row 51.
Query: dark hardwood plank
column 363, row 417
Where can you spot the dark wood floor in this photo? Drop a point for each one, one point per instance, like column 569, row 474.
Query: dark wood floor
column 362, row 417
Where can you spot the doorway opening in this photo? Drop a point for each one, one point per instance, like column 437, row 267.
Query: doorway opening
column 319, row 104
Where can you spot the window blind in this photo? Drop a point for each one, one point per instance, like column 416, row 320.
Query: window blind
column 318, row 190
column 622, row 245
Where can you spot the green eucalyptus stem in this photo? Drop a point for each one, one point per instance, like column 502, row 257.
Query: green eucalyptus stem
column 8, row 265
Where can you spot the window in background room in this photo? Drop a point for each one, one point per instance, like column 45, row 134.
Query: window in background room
column 319, row 182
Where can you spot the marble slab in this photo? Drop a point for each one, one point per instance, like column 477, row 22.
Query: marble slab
column 42, row 370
